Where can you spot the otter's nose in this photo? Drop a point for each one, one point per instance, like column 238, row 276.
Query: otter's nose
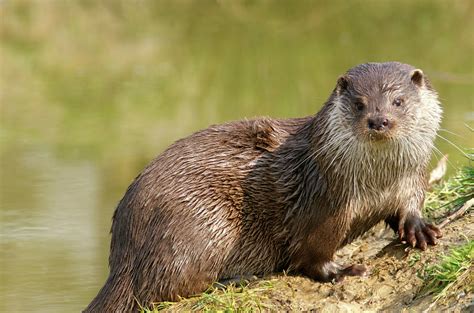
column 379, row 123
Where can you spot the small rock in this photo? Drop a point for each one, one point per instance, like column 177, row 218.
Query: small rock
column 341, row 307
column 384, row 291
column 460, row 295
column 349, row 295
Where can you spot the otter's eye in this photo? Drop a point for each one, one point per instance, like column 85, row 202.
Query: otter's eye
column 359, row 106
column 398, row 102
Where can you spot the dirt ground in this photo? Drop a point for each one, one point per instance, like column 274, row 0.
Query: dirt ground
column 393, row 284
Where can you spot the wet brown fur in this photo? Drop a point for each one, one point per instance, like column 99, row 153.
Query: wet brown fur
column 259, row 196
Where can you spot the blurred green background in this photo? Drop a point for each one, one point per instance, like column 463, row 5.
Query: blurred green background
column 91, row 91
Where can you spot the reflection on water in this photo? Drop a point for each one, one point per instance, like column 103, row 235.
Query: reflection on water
column 49, row 234
column 91, row 91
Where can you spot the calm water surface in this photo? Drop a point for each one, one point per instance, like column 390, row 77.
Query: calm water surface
column 90, row 93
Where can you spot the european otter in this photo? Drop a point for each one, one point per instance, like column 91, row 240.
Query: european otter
column 259, row 196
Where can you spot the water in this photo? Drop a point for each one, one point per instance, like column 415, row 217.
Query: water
column 90, row 92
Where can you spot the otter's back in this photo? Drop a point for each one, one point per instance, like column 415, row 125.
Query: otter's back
column 185, row 209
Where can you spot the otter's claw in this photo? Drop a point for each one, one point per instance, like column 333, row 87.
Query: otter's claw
column 417, row 233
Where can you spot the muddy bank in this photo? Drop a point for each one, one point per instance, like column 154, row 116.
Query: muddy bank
column 393, row 283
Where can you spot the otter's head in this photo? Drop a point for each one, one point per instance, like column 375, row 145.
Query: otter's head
column 387, row 102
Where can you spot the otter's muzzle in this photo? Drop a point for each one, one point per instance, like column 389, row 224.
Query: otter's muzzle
column 378, row 127
column 379, row 124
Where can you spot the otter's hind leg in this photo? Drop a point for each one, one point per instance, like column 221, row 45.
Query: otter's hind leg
column 314, row 258
column 240, row 280
column 332, row 272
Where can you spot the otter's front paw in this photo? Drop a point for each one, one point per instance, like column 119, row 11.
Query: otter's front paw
column 418, row 233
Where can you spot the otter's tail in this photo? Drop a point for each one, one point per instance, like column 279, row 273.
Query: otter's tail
column 115, row 296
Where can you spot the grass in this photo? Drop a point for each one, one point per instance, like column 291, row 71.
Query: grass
column 451, row 194
column 248, row 298
column 454, row 269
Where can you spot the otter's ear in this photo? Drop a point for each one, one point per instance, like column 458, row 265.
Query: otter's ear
column 342, row 83
column 417, row 77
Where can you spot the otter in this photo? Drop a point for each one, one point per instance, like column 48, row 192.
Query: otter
column 259, row 196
